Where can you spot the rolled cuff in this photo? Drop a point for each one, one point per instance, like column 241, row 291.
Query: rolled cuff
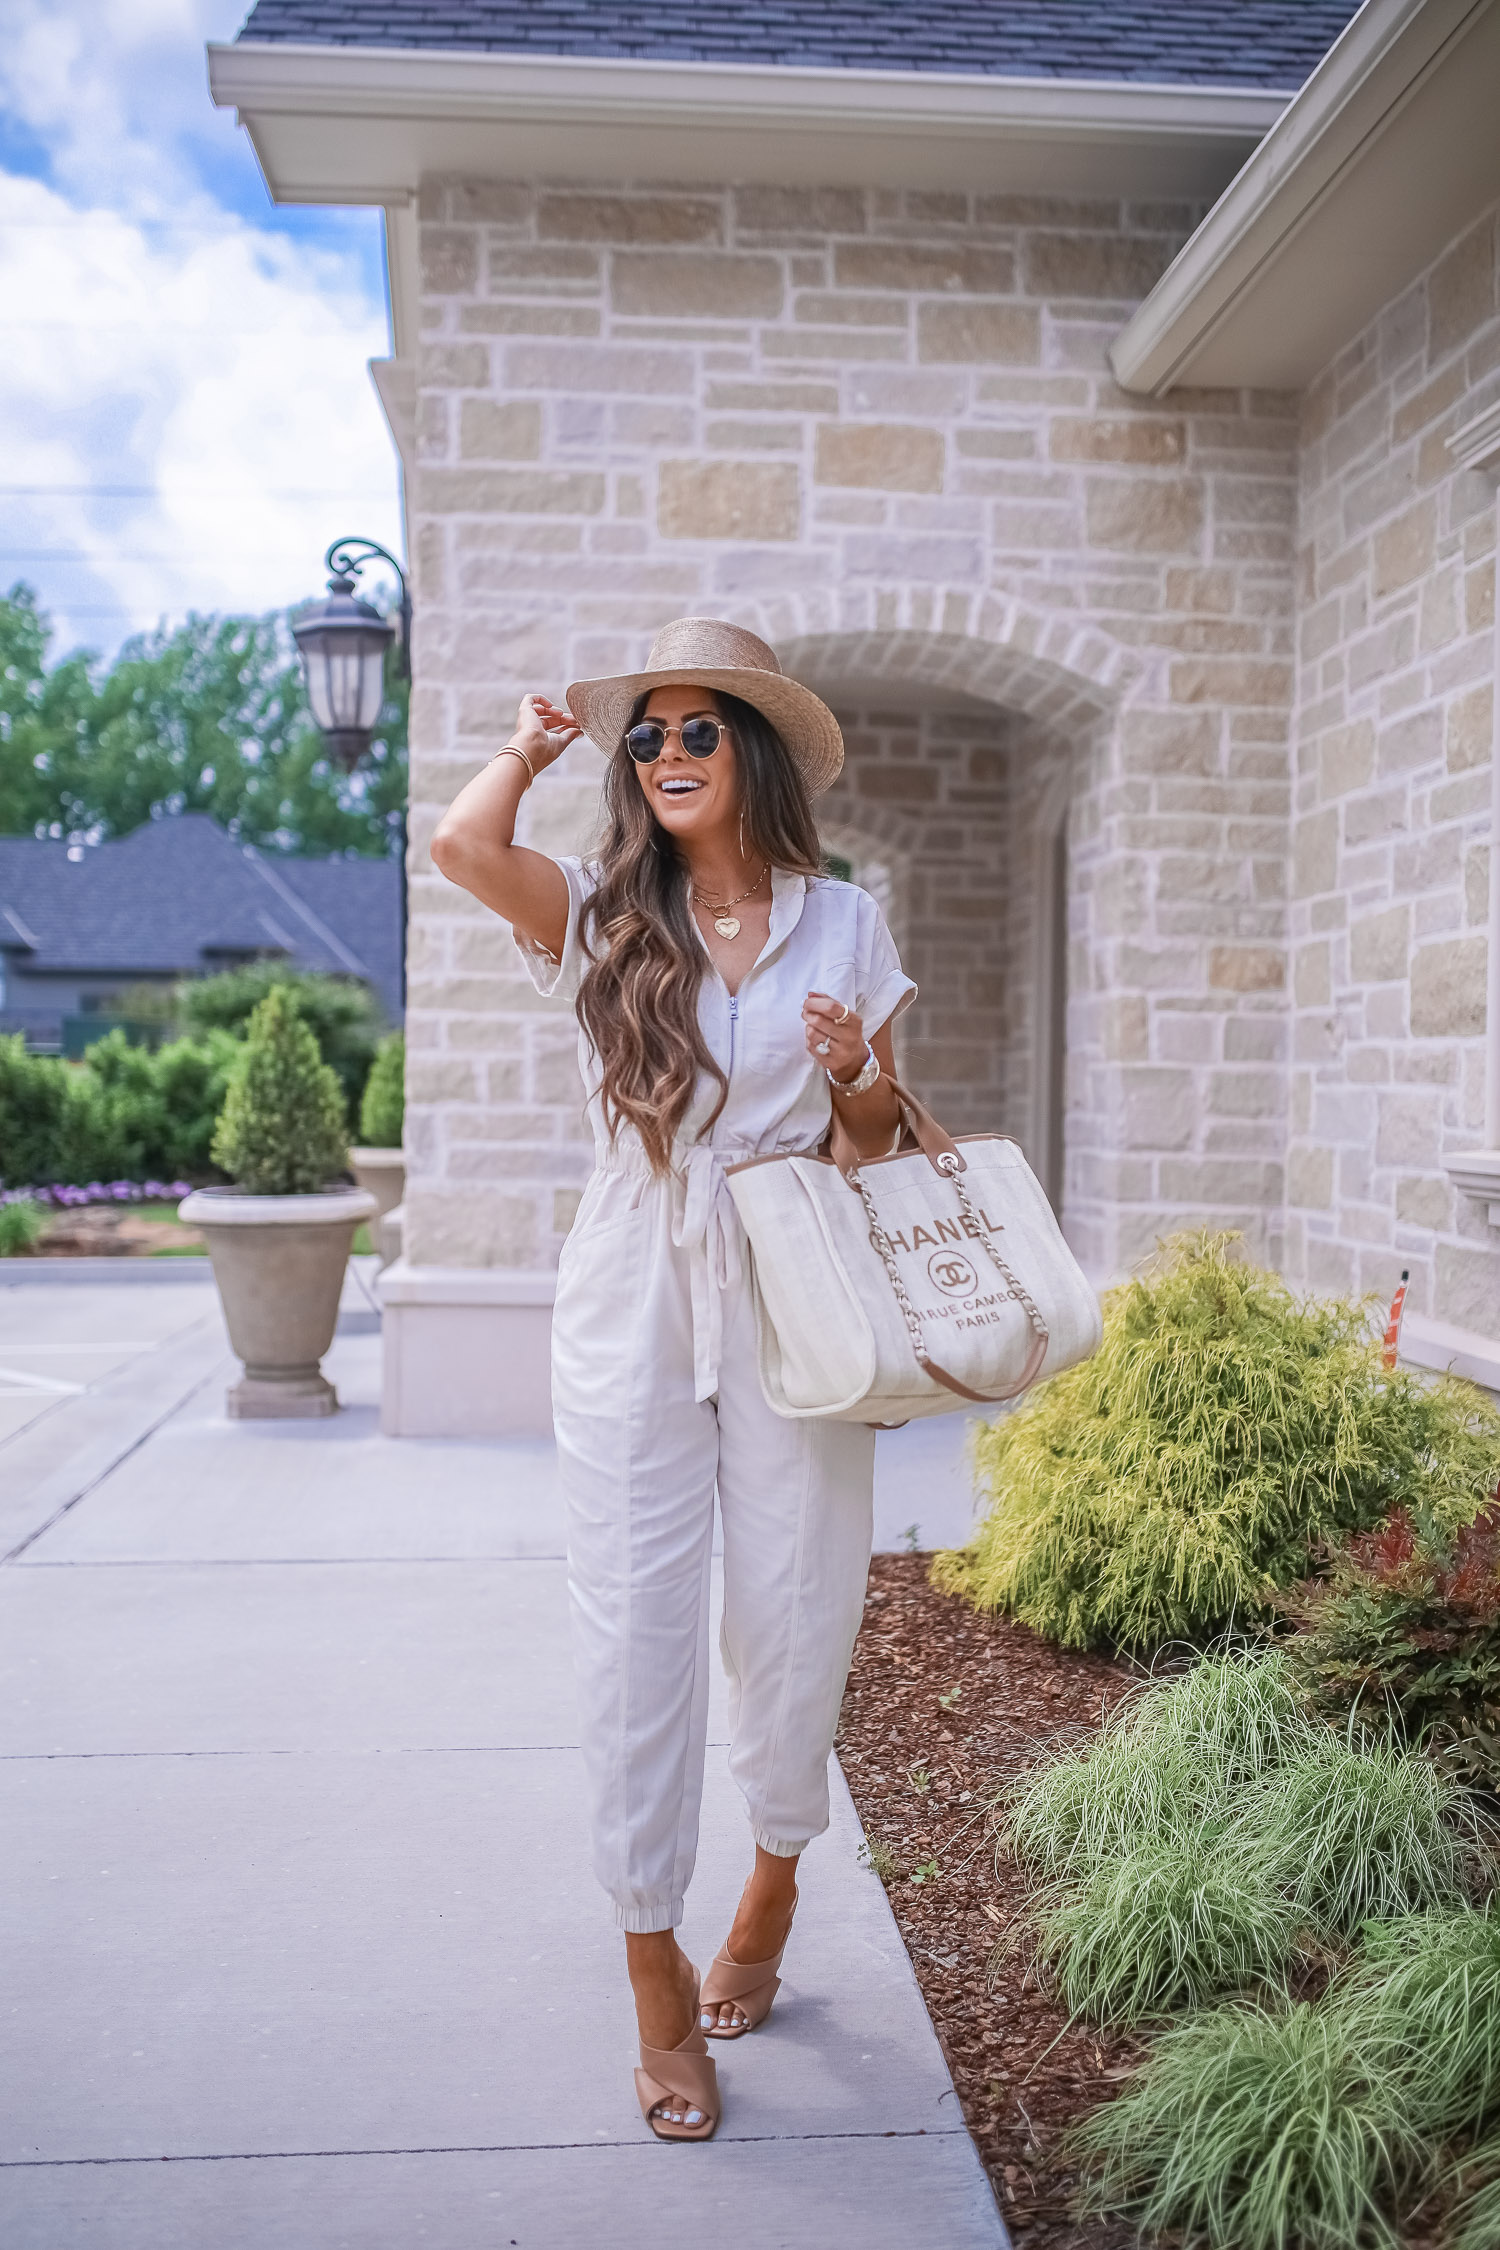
column 778, row 1846
column 560, row 977
column 643, row 1921
column 894, row 993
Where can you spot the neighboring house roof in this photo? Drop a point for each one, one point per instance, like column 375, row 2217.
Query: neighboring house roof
column 1272, row 43
column 180, row 897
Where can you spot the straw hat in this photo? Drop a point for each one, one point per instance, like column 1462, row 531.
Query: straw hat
column 705, row 652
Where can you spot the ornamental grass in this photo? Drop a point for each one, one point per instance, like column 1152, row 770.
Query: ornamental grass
column 1253, row 2128
column 1172, row 1483
column 1172, row 1924
column 1423, row 2000
column 1212, row 1832
column 1352, row 1832
column 1311, row 2124
column 1163, row 1766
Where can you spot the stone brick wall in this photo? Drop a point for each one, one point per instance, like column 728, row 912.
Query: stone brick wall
column 880, row 430
column 1395, row 687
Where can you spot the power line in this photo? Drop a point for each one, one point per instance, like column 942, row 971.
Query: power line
column 87, row 223
column 197, row 484
column 148, row 327
column 120, row 554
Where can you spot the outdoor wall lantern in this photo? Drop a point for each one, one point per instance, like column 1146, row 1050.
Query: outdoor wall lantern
column 343, row 641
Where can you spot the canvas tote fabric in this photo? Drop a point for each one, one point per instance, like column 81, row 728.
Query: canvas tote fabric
column 833, row 1339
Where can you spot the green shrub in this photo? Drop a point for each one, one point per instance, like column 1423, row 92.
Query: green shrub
column 1169, row 1925
column 382, row 1111
column 192, row 1078
column 51, row 1119
column 1405, row 1631
column 343, row 1015
column 1251, row 2128
column 132, row 1117
column 281, row 1130
column 1354, row 1833
column 123, row 1113
column 21, row 1224
column 1175, row 1480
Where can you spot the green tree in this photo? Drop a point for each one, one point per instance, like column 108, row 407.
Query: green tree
column 207, row 717
column 382, row 1112
column 281, row 1130
column 41, row 715
column 343, row 1015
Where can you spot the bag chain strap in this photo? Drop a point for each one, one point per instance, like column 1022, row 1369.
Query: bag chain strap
column 948, row 1166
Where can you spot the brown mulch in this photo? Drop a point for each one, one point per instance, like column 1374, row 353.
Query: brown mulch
column 97, row 1230
column 1022, row 2076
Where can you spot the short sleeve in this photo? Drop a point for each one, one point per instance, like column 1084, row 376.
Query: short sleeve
column 561, row 978
column 882, row 986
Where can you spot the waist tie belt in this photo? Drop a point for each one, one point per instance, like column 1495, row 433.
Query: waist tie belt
column 706, row 1225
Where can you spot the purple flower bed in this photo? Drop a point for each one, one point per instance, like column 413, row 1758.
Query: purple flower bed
column 100, row 1191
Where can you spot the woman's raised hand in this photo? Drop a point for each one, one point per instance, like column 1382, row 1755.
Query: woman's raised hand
column 825, row 1018
column 544, row 729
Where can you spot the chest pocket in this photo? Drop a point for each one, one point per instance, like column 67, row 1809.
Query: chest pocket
column 771, row 1034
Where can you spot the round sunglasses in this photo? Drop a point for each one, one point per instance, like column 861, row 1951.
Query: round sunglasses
column 700, row 738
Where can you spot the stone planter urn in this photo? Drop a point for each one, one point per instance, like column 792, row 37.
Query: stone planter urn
column 279, row 1262
column 383, row 1172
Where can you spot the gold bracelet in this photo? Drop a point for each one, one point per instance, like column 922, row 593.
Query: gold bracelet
column 515, row 751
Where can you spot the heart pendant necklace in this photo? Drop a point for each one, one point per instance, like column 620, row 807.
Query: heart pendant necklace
column 726, row 922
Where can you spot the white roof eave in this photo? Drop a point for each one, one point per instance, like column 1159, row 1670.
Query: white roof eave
column 365, row 124
column 1389, row 150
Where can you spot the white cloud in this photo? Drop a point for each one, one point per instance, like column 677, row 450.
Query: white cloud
column 184, row 373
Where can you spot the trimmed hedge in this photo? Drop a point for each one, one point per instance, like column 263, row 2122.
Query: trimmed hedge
column 122, row 1113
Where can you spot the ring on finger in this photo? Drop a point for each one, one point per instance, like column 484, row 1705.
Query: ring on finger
column 824, row 1047
column 842, row 1016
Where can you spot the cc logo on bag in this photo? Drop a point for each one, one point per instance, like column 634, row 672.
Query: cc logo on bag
column 952, row 1273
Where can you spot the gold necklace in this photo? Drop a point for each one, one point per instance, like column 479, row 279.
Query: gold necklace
column 725, row 922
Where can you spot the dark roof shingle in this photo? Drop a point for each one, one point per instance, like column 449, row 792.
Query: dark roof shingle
column 1267, row 43
column 179, row 896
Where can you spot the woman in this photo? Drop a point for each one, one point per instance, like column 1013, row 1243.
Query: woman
column 728, row 994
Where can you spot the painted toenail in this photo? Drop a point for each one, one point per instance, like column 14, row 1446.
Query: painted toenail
column 694, row 2117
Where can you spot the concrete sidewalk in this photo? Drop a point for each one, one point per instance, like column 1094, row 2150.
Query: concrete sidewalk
column 303, row 1949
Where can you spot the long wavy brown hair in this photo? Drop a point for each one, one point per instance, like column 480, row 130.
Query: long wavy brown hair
column 638, row 1001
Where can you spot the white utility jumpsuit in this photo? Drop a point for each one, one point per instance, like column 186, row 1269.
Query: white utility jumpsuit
column 657, row 1401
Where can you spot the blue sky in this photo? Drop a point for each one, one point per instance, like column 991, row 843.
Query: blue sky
column 186, row 419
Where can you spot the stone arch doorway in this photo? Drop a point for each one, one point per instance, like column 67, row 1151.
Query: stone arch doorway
column 964, row 793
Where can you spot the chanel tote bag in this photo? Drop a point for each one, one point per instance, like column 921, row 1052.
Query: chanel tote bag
column 916, row 1283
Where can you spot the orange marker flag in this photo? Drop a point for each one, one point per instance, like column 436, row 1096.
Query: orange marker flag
column 1393, row 1325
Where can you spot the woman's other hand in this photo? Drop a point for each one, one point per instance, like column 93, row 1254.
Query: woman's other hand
column 825, row 1018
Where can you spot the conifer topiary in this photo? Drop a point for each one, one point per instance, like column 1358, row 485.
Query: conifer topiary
column 382, row 1111
column 1170, row 1484
column 281, row 1130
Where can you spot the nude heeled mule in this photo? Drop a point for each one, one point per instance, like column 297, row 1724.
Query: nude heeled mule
column 685, row 2073
column 750, row 1985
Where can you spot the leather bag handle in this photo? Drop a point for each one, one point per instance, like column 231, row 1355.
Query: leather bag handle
column 919, row 1129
